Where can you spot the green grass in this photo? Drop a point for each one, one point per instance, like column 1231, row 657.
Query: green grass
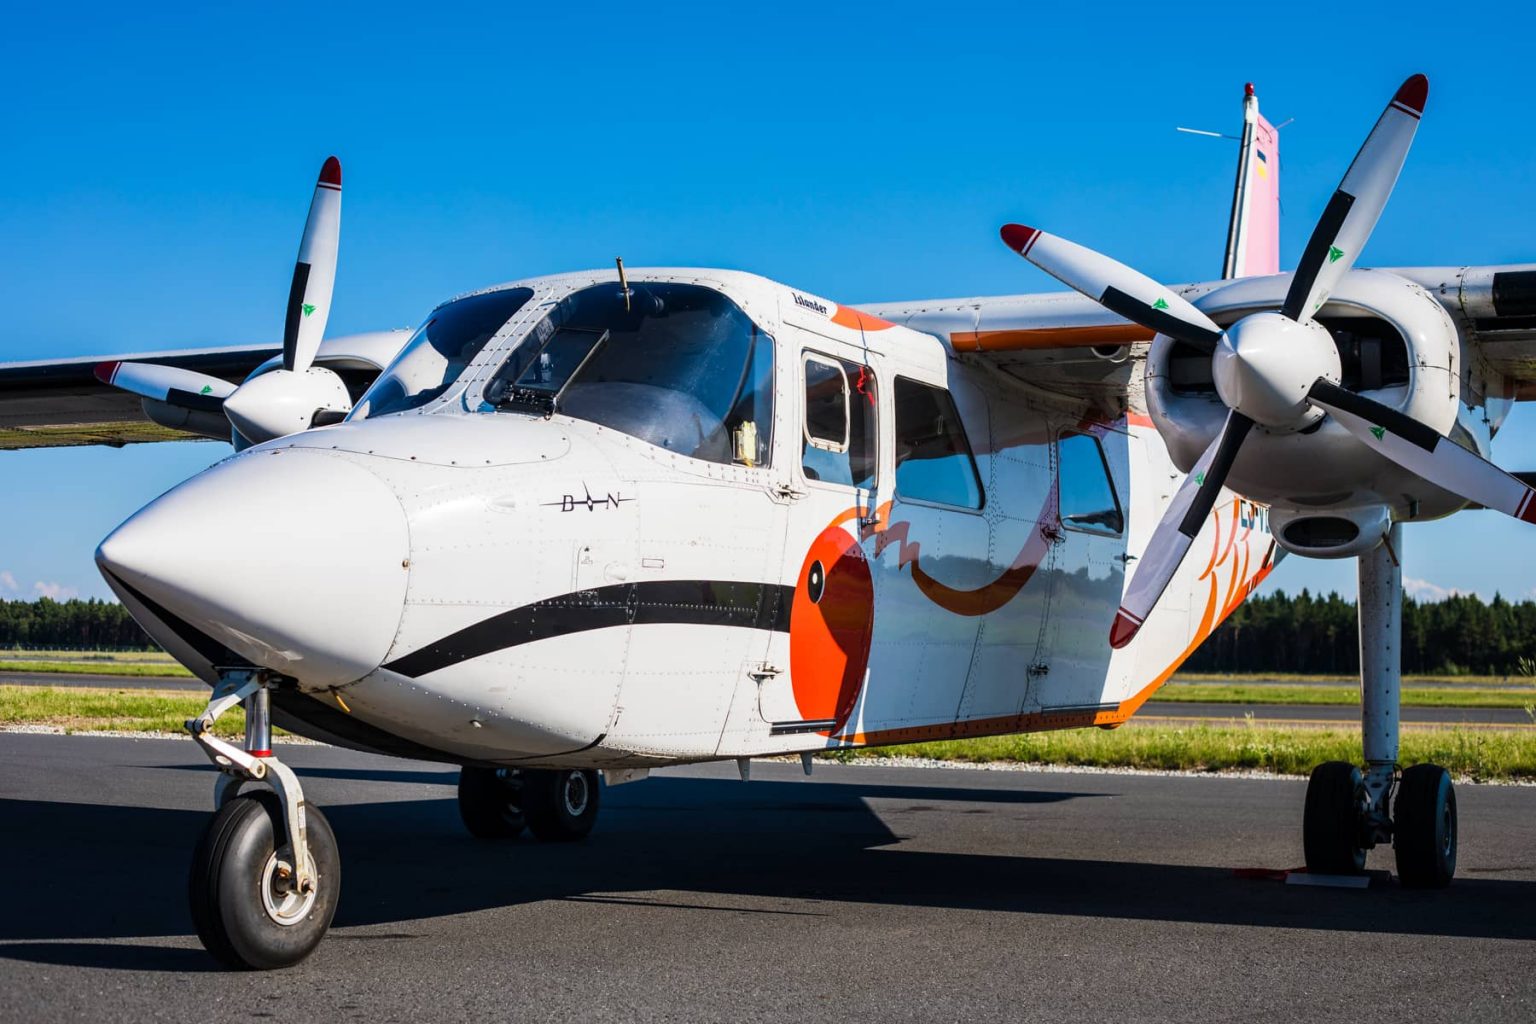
column 1412, row 696
column 1325, row 678
column 26, row 654
column 89, row 708
column 1478, row 754
column 99, row 668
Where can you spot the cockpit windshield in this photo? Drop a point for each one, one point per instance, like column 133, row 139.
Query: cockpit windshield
column 439, row 351
column 677, row 365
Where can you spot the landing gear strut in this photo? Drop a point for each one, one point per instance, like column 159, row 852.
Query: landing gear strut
column 266, row 873
column 1350, row 811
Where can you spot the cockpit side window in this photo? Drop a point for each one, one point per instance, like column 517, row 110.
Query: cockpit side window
column 838, row 435
column 439, row 351
column 679, row 366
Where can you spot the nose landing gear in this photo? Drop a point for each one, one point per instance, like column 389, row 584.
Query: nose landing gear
column 1348, row 811
column 266, row 874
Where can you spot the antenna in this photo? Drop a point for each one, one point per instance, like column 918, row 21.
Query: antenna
column 623, row 281
column 1214, row 135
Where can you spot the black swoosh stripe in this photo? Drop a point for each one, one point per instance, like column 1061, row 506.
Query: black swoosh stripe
column 689, row 602
column 211, row 650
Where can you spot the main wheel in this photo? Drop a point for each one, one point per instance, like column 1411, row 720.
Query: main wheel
column 1424, row 827
column 1330, row 825
column 490, row 803
column 560, row 805
column 247, row 909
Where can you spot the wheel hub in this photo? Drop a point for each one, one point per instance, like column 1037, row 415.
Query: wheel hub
column 574, row 793
column 280, row 895
column 1265, row 364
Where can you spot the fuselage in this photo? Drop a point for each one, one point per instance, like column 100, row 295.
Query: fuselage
column 709, row 516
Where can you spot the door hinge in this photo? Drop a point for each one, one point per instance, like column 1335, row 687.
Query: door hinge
column 764, row 672
column 786, row 491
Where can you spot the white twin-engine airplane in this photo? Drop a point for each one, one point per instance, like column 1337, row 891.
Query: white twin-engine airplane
column 610, row 521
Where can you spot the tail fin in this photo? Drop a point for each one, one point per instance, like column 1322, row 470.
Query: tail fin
column 1253, row 237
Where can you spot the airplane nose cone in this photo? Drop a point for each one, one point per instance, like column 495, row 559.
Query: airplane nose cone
column 294, row 559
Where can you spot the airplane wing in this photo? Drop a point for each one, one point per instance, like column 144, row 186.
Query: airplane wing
column 54, row 403
column 1495, row 309
column 1068, row 344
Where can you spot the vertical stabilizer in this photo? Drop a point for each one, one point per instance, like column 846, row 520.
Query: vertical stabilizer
column 1253, row 237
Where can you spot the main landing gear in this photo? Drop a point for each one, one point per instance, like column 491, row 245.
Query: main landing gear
column 557, row 805
column 266, row 875
column 1349, row 811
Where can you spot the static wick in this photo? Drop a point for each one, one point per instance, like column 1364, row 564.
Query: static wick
column 623, row 281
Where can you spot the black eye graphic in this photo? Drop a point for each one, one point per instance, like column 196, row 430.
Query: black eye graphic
column 815, row 582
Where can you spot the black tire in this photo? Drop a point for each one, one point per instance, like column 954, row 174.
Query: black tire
column 560, row 805
column 229, row 870
column 1424, row 827
column 489, row 803
column 1331, row 822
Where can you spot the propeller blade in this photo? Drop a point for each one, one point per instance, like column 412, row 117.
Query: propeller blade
column 1351, row 214
column 1426, row 452
column 1177, row 530
column 1114, row 286
column 314, row 275
column 186, row 389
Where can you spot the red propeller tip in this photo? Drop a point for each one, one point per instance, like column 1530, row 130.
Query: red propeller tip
column 1124, row 630
column 1247, row 88
column 330, row 174
column 1018, row 237
column 1413, row 94
column 106, row 371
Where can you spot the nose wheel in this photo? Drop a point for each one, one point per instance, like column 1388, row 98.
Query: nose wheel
column 248, row 905
column 266, row 874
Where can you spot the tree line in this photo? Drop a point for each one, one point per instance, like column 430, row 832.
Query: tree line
column 1276, row 633
column 46, row 624
column 1461, row 635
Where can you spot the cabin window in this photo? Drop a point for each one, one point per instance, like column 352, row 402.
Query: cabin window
column 1086, row 490
column 679, row 366
column 933, row 457
column 839, row 429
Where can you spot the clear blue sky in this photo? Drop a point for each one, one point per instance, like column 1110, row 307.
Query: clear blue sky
column 158, row 163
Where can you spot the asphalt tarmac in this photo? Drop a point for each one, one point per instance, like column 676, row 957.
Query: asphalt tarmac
column 868, row 893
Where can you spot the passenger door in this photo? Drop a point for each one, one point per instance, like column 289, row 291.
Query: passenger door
column 1087, row 571
column 831, row 486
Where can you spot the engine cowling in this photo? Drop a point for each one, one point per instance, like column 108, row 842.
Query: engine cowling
column 1395, row 343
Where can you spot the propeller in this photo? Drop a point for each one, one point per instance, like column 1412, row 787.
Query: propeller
column 1278, row 369
column 280, row 401
column 172, row 385
column 314, row 274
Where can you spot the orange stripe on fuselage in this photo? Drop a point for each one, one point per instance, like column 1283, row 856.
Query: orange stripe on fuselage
column 1048, row 337
column 847, row 316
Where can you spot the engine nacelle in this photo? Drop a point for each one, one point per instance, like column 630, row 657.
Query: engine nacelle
column 1336, row 533
column 1396, row 344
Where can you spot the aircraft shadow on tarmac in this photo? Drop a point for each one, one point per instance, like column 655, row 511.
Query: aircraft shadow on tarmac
column 83, row 874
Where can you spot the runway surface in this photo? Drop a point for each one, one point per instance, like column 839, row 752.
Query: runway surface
column 109, row 682
column 883, row 894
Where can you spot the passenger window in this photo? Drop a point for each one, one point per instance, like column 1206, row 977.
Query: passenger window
column 1086, row 491
column 839, row 428
column 933, row 458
